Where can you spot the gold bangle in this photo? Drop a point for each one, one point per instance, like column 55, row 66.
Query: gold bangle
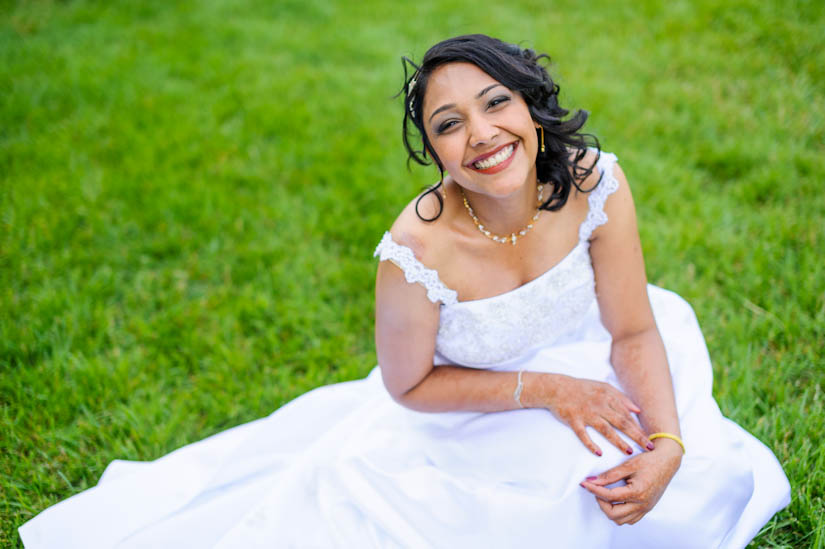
column 671, row 437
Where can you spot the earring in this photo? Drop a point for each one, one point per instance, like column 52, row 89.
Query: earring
column 542, row 138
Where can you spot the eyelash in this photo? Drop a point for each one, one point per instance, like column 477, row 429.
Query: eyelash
column 495, row 102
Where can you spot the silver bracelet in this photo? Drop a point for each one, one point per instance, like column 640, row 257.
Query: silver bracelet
column 519, row 387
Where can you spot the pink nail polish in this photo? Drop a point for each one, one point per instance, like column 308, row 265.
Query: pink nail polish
column 628, row 451
column 599, row 453
column 650, row 446
column 591, row 479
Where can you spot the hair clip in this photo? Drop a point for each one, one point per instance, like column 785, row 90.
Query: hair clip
column 411, row 84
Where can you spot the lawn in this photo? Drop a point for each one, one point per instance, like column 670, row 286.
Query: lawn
column 190, row 194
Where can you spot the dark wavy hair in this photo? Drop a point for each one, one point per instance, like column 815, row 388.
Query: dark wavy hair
column 519, row 70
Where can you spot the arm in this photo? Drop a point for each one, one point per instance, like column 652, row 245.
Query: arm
column 638, row 357
column 405, row 332
column 406, row 324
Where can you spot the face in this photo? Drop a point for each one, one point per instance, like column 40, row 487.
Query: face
column 481, row 131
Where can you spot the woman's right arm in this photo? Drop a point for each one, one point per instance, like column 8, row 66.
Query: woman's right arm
column 406, row 324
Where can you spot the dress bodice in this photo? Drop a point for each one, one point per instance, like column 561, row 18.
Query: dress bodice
column 486, row 332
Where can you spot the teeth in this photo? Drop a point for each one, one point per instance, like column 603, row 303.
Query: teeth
column 494, row 160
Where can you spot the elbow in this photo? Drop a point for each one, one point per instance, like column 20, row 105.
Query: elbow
column 407, row 395
column 634, row 334
column 410, row 402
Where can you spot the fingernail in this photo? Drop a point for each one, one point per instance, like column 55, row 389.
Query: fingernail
column 650, row 446
column 599, row 453
column 628, row 451
column 591, row 479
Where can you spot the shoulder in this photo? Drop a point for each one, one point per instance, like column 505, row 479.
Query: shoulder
column 614, row 194
column 613, row 179
column 579, row 200
column 428, row 240
column 419, row 252
column 603, row 167
column 605, row 179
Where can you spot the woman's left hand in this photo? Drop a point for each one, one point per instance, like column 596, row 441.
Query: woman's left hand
column 646, row 476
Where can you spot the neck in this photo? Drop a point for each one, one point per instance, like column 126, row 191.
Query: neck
column 507, row 214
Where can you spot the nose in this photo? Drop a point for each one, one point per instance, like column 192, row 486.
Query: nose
column 482, row 131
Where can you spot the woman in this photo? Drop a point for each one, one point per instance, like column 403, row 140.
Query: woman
column 515, row 285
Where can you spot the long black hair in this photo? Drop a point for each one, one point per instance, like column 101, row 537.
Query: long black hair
column 519, row 70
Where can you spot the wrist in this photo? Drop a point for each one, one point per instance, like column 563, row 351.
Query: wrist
column 539, row 388
column 670, row 449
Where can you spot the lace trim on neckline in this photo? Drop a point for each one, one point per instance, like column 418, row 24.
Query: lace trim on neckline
column 414, row 270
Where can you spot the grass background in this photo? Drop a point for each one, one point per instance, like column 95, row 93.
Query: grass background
column 190, row 193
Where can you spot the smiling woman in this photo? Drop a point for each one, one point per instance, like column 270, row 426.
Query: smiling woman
column 602, row 383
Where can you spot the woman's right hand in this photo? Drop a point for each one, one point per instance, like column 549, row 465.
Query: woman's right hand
column 582, row 402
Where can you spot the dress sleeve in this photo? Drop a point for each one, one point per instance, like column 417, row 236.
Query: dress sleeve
column 607, row 186
column 414, row 270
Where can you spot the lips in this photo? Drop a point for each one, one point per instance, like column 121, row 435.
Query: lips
column 494, row 161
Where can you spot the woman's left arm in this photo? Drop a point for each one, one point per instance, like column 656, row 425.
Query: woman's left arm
column 639, row 359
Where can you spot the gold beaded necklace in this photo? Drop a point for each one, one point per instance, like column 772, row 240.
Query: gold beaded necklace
column 513, row 237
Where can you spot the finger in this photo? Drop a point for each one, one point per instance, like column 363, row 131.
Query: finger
column 611, row 495
column 607, row 508
column 581, row 432
column 617, row 512
column 620, row 472
column 609, row 432
column 623, row 513
column 630, row 405
column 628, row 426
column 636, row 518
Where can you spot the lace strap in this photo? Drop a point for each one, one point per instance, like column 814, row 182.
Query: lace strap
column 596, row 199
column 414, row 270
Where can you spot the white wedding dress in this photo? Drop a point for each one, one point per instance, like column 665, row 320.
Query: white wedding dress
column 346, row 466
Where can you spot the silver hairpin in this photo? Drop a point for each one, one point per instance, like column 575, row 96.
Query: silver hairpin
column 410, row 88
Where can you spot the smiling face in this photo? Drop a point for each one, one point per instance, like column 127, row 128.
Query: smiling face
column 481, row 131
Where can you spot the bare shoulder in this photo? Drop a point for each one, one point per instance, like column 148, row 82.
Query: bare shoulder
column 402, row 307
column 428, row 240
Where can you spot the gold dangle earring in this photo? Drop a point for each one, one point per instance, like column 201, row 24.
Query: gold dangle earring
column 542, row 138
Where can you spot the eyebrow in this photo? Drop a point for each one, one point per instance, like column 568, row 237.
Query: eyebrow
column 480, row 94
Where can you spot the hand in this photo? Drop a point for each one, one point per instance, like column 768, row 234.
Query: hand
column 646, row 476
column 581, row 402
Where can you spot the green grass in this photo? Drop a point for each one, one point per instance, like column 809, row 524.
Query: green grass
column 190, row 194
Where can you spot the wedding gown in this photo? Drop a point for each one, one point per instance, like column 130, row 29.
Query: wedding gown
column 346, row 466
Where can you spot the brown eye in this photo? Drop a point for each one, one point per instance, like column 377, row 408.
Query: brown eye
column 444, row 126
column 497, row 101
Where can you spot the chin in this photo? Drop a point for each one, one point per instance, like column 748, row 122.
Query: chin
column 503, row 186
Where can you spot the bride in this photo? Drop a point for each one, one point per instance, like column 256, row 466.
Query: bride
column 533, row 389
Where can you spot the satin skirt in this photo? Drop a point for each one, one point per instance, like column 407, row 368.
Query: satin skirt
column 346, row 466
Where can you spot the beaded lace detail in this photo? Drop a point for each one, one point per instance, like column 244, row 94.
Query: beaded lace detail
column 414, row 270
column 486, row 332
column 483, row 333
